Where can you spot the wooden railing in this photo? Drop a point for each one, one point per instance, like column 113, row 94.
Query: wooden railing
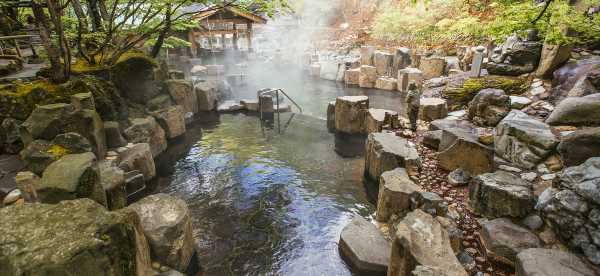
column 14, row 40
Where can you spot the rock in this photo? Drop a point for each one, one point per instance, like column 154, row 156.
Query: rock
column 552, row 57
column 182, row 93
column 159, row 102
column 430, row 203
column 83, row 101
column 230, row 106
column 378, row 118
column 332, row 70
column 383, row 62
column 351, row 113
column 432, row 109
column 352, row 76
column 489, row 107
column 401, row 60
column 91, row 240
column 364, row 248
column 517, row 102
column 509, row 169
column 523, row 140
column 114, row 139
column 134, row 77
column 134, row 182
column 579, row 146
column 206, row 94
column 250, row 105
column 550, row 262
column 171, row 120
column 533, row 222
column 515, row 57
column 27, row 183
column 72, row 142
column 10, row 138
column 167, row 226
column 147, row 130
column 386, row 151
column 418, row 235
column 138, row 157
column 367, row 76
column 503, row 240
column 460, row 147
column 366, row 55
column 72, row 176
column 458, row 177
column 577, row 111
column 12, row 197
column 432, row 138
column 386, row 83
column 395, row 189
column 112, row 180
column 500, row 194
column 432, row 67
column 331, row 116
column 530, row 176
column 408, row 75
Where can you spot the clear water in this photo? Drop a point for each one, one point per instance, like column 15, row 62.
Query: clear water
column 264, row 202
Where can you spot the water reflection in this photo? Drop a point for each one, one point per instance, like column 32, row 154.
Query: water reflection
column 265, row 203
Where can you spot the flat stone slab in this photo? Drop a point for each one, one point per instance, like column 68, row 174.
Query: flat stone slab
column 230, row 106
column 364, row 248
column 395, row 189
column 386, row 151
column 376, row 119
column 501, row 194
column 550, row 262
column 504, row 240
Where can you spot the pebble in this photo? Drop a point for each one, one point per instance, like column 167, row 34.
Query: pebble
column 541, row 168
column 547, row 177
column 530, row 176
column 537, row 90
column 12, row 197
column 533, row 222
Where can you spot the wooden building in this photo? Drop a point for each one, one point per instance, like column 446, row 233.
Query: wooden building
column 222, row 28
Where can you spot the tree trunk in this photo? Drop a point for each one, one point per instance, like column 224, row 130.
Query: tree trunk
column 103, row 10
column 55, row 11
column 83, row 23
column 160, row 40
column 56, row 67
column 95, row 15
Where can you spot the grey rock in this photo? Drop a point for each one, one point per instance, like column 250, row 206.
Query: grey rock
column 10, row 138
column 533, row 222
column 432, row 138
column 12, row 197
column 72, row 142
column 114, row 138
column 172, row 120
column 523, row 140
column 501, row 194
column 488, row 107
column 386, row 151
column 91, row 240
column 429, row 202
column 331, row 116
column 167, row 226
column 364, row 248
column 458, row 177
column 147, row 130
column 350, row 114
column 504, row 240
column 550, row 262
column 378, row 118
column 517, row 102
column 138, row 157
column 432, row 109
column 112, row 180
column 182, row 93
column 530, row 176
column 576, row 147
column 578, row 111
column 395, row 189
column 207, row 95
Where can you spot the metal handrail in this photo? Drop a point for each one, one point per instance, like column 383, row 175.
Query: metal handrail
column 278, row 108
column 285, row 94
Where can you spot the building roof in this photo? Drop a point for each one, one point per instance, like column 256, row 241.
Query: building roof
column 208, row 11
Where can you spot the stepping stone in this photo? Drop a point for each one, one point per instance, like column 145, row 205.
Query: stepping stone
column 376, row 119
column 501, row 194
column 351, row 113
column 364, row 248
column 550, row 262
column 395, row 189
column 386, row 151
column 503, row 240
column 432, row 109
column 386, row 83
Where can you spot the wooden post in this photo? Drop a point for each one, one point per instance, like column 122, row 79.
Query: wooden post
column 223, row 41
column 249, row 36
column 17, row 47
column 194, row 45
column 235, row 36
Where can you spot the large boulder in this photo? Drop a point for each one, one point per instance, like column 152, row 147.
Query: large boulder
column 138, row 157
column 383, row 62
column 112, row 180
column 432, row 67
column 516, row 56
column 147, row 130
column 550, row 262
column 580, row 145
column 523, row 140
column 573, row 79
column 395, row 189
column 172, row 120
column 207, row 95
column 168, row 227
column 386, row 83
column 501, row 194
column 552, row 57
column 350, row 114
column 378, row 118
column 48, row 121
column 10, row 139
column 364, row 248
column 114, row 138
column 459, row 147
column 366, row 55
column 133, row 74
column 352, row 76
column 488, row 107
column 408, row 75
column 75, row 237
column 419, row 235
column 401, row 60
column 572, row 207
column 367, row 76
column 578, row 111
column 72, row 176
column 503, row 240
column 182, row 93
column 332, row 70
column 432, row 109
column 386, row 151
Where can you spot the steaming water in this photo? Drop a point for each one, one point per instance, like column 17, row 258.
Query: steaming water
column 265, row 203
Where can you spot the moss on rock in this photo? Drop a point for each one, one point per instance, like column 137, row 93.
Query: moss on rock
column 461, row 89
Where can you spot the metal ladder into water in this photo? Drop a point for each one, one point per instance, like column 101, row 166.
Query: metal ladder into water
column 276, row 91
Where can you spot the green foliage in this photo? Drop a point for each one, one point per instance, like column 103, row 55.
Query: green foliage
column 450, row 22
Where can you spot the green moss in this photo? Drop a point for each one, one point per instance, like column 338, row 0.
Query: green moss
column 57, row 151
column 462, row 92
